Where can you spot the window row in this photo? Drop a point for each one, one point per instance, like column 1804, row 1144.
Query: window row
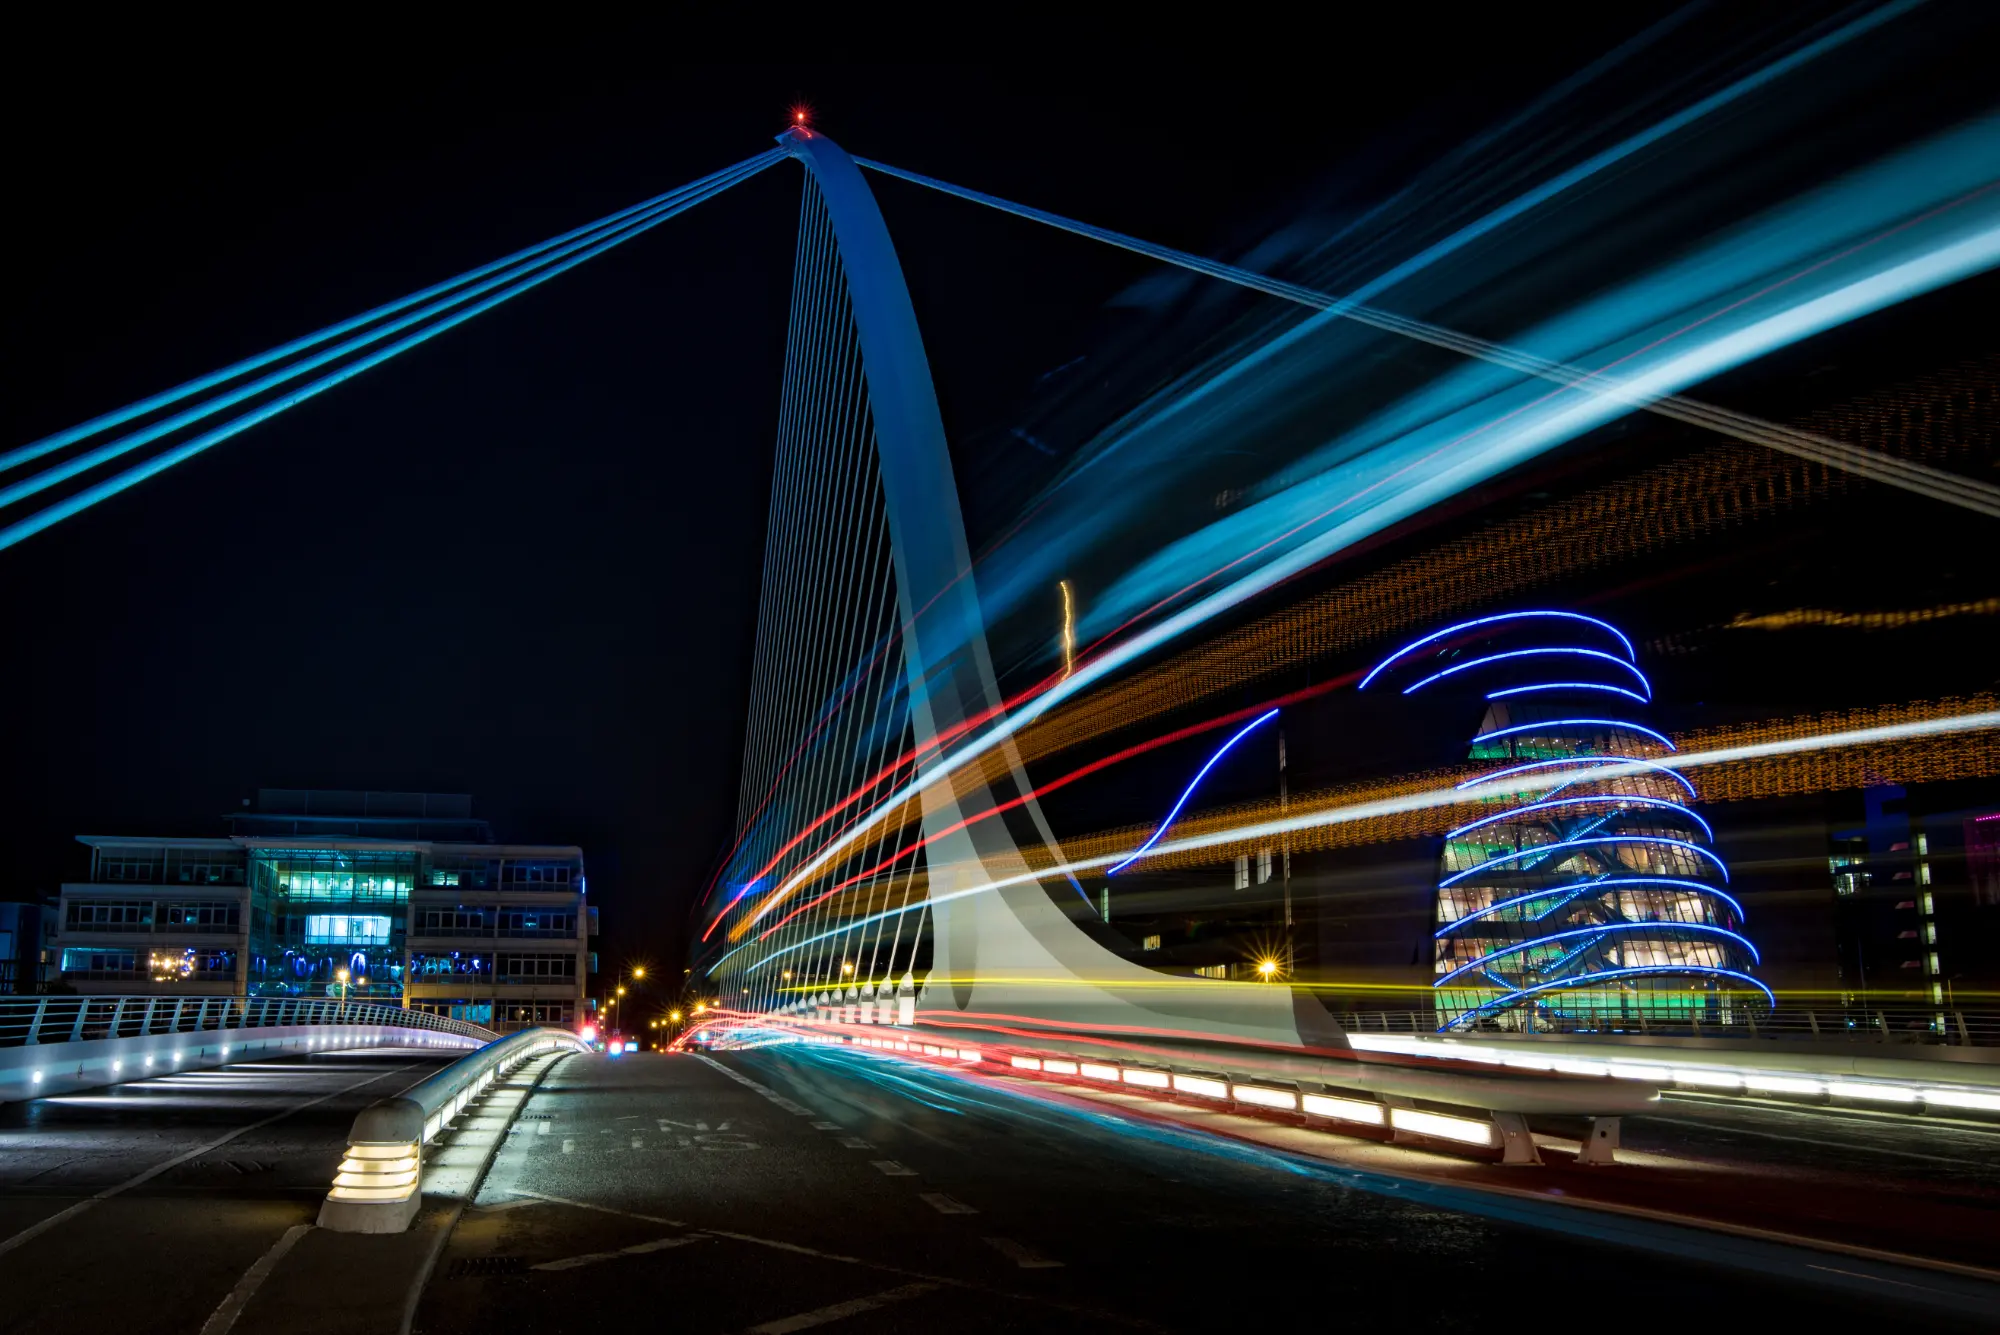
column 127, row 915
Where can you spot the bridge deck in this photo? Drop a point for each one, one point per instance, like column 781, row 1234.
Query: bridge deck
column 205, row 1170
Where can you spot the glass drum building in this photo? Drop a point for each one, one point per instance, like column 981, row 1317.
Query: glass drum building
column 1587, row 891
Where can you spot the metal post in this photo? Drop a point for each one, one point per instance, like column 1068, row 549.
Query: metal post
column 1812, row 1018
column 42, row 1010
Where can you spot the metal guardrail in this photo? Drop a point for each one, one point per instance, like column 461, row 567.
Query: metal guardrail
column 1927, row 1025
column 379, row 1185
column 28, row 1021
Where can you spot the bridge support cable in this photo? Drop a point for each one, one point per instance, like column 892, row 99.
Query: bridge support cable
column 829, row 700
column 404, row 323
column 1909, row 475
column 867, row 856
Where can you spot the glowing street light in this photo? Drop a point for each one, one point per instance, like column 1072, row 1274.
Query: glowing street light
column 1267, row 968
column 638, row 971
column 674, row 1016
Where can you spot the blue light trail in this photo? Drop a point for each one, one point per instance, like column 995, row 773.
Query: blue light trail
column 1598, row 759
column 1435, row 636
column 1597, row 932
column 161, row 462
column 1581, row 843
column 1188, row 792
column 1530, row 653
column 1553, row 724
column 1579, row 799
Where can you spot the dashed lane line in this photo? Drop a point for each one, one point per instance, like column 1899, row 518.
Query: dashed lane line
column 841, row 1311
column 942, row 1281
column 223, row 1318
column 890, row 1168
column 787, row 1105
column 1023, row 1257
column 855, row 1143
column 944, row 1204
column 33, row 1231
column 636, row 1249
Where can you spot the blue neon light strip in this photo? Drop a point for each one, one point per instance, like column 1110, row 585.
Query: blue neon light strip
column 1675, row 775
column 118, row 417
column 1530, row 653
column 1576, row 843
column 89, row 496
column 1698, row 886
column 1565, row 722
column 1488, row 621
column 1586, row 797
column 1600, row 930
column 1221, row 751
column 1568, row 686
column 1659, row 970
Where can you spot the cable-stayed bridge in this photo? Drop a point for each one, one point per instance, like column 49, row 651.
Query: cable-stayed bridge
column 897, row 909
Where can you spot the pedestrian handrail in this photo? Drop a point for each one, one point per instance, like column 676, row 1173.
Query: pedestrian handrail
column 379, row 1184
column 28, row 1021
column 1925, row 1025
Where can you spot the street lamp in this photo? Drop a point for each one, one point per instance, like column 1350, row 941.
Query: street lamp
column 340, row 980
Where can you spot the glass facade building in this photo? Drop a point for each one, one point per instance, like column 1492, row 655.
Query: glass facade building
column 307, row 904
column 1586, row 890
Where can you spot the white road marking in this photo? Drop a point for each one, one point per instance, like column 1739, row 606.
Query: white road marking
column 856, row 1143
column 826, row 1126
column 841, row 1311
column 603, row 1209
column 33, row 1231
column 773, row 1095
column 569, row 1146
column 1022, row 1256
column 944, row 1204
column 890, row 1168
column 224, row 1317
column 636, row 1249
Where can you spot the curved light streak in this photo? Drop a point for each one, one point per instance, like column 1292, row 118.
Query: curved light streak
column 1488, row 621
column 1193, row 783
column 1700, row 887
column 1478, row 779
column 1599, row 930
column 1983, row 721
column 1530, row 653
column 1578, row 843
column 1659, row 737
column 1568, row 686
column 1653, row 970
column 1512, row 812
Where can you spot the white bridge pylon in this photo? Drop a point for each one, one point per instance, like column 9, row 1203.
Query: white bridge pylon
column 1011, row 951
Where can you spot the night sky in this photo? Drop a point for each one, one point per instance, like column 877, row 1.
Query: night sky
column 521, row 562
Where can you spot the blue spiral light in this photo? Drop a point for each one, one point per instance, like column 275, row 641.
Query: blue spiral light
column 1581, row 901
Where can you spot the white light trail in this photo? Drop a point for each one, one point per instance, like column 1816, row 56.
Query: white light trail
column 1438, row 797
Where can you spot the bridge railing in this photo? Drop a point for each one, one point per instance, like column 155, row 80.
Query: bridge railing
column 379, row 1184
column 30, row 1021
column 1922, row 1025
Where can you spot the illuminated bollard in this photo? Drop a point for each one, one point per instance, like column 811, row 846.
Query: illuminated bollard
column 379, row 1186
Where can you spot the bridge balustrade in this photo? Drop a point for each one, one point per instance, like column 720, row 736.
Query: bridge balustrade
column 31, row 1021
column 1917, row 1025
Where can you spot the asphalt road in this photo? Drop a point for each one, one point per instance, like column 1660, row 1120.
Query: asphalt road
column 789, row 1189
column 137, row 1208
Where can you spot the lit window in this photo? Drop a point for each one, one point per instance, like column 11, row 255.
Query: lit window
column 346, row 929
column 1934, row 963
column 1928, row 909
